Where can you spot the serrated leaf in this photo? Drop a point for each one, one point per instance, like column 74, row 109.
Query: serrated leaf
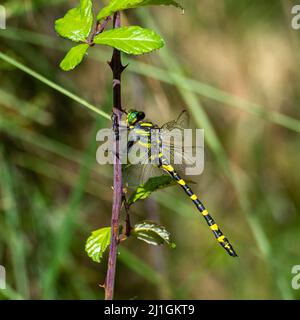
column 77, row 23
column 143, row 191
column 152, row 233
column 119, row 5
column 74, row 57
column 97, row 243
column 132, row 40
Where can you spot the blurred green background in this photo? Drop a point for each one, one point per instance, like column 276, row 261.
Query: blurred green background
column 235, row 66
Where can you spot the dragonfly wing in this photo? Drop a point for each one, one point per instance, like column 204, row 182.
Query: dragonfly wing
column 181, row 122
column 180, row 153
column 135, row 174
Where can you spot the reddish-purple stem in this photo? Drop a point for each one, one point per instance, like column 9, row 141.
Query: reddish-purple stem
column 117, row 70
column 99, row 28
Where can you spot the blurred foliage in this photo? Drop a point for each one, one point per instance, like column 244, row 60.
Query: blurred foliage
column 235, row 66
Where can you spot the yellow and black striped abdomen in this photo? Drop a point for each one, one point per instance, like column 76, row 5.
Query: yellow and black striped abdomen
column 222, row 240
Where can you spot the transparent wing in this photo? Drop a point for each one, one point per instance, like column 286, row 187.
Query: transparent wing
column 181, row 122
column 178, row 148
column 138, row 173
column 173, row 131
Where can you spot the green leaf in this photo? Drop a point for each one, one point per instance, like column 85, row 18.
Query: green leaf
column 74, row 57
column 143, row 191
column 97, row 243
column 77, row 23
column 152, row 233
column 119, row 5
column 131, row 40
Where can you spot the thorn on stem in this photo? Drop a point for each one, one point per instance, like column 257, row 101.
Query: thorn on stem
column 124, row 67
column 102, row 285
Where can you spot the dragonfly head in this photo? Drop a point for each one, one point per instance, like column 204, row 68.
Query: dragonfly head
column 134, row 116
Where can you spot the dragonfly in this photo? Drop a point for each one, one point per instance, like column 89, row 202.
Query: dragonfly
column 142, row 129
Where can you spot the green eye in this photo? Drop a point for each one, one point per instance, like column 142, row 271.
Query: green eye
column 132, row 117
column 135, row 116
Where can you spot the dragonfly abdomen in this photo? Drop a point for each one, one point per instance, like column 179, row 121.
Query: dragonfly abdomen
column 222, row 240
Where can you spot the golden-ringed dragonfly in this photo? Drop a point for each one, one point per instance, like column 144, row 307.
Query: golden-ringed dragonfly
column 142, row 130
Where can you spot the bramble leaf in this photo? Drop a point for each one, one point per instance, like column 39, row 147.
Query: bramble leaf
column 152, row 233
column 97, row 243
column 132, row 40
column 77, row 23
column 74, row 57
column 143, row 191
column 119, row 5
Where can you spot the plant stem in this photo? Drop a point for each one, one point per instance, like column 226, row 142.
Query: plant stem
column 117, row 69
column 99, row 28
